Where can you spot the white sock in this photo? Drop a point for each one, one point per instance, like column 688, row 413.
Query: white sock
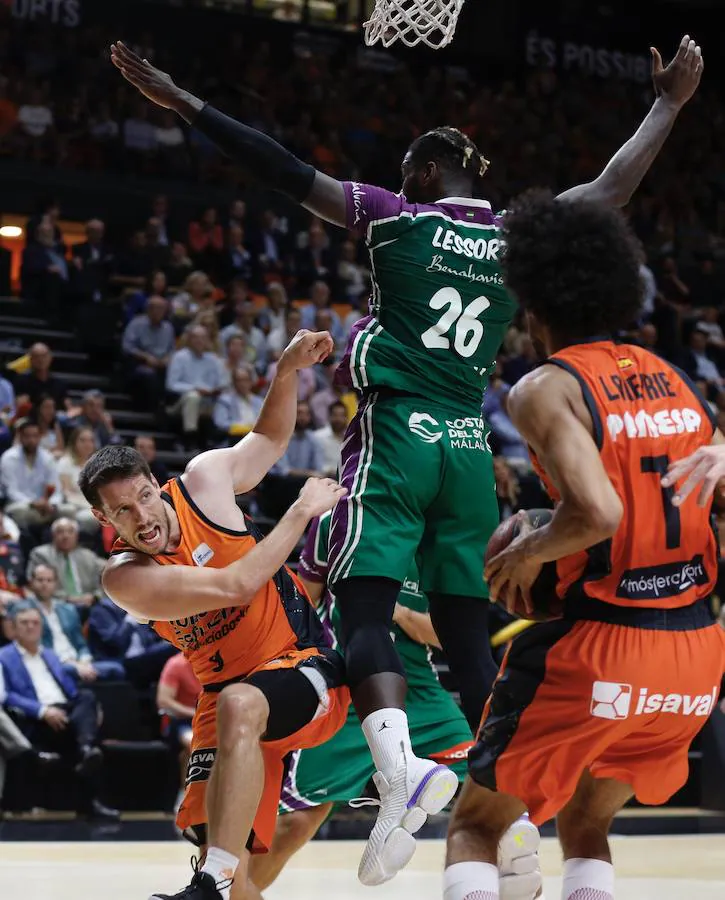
column 386, row 731
column 588, row 879
column 470, row 881
column 221, row 866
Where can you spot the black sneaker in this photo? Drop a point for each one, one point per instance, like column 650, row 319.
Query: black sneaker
column 202, row 887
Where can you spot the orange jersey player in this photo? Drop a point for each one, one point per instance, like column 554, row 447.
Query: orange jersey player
column 189, row 561
column 601, row 704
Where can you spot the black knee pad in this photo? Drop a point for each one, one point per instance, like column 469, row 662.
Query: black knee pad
column 366, row 608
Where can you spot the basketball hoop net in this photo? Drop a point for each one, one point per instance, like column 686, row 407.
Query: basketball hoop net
column 432, row 22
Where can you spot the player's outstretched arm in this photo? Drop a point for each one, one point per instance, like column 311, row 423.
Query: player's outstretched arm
column 673, row 86
column 705, row 468
column 261, row 156
column 542, row 406
column 245, row 464
column 139, row 585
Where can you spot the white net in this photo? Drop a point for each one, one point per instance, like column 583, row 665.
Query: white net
column 432, row 22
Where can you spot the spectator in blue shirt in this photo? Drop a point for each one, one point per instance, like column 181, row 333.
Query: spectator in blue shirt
column 194, row 379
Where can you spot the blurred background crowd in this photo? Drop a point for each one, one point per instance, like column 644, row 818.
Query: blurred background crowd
column 164, row 331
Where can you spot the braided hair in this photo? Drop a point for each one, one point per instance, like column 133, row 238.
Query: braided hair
column 451, row 149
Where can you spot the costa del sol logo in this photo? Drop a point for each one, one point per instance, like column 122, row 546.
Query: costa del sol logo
column 426, row 427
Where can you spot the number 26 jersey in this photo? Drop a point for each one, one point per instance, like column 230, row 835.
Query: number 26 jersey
column 646, row 414
column 438, row 310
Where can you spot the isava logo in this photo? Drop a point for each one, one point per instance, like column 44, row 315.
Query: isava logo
column 426, row 427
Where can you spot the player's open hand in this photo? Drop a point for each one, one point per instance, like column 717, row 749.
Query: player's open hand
column 318, row 495
column 512, row 572
column 152, row 82
column 704, row 468
column 679, row 81
column 307, row 348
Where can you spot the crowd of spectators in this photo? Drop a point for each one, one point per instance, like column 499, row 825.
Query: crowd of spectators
column 200, row 311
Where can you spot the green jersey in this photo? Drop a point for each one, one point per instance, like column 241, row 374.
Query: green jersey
column 313, row 566
column 439, row 310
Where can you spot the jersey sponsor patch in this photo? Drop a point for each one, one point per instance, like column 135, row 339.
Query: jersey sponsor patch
column 615, row 700
column 425, row 427
column 667, row 580
column 202, row 554
column 644, row 424
column 200, row 763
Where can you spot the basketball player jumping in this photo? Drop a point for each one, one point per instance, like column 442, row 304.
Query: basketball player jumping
column 189, row 561
column 416, row 461
column 602, row 704
column 339, row 770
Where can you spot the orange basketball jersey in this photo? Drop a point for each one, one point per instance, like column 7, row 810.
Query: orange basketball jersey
column 228, row 644
column 646, row 414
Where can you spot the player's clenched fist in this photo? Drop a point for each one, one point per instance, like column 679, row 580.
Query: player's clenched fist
column 307, row 348
column 318, row 495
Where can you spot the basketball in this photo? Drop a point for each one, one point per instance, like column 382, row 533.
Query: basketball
column 547, row 604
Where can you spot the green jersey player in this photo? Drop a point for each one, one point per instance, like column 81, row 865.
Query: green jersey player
column 338, row 771
column 415, row 459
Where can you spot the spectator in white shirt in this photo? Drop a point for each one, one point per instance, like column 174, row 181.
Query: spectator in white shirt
column 243, row 324
column 195, row 378
column 237, row 408
column 29, row 478
column 272, row 317
column 320, row 298
column 329, row 438
column 280, row 337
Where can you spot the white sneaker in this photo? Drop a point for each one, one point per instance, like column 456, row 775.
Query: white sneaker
column 518, row 862
column 413, row 793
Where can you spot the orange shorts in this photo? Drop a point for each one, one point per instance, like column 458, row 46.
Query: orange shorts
column 330, row 716
column 623, row 702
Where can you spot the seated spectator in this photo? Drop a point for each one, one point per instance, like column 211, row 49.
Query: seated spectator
column 710, row 323
column 92, row 262
column 648, row 337
column 197, row 294
column 156, row 285
column 244, row 316
column 79, row 569
column 236, row 353
column 51, row 434
column 237, row 260
column 320, row 300
column 157, row 253
column 698, row 364
column 51, row 711
column 29, row 479
column 270, row 246
column 14, row 745
column 354, row 279
column 315, row 262
column 179, row 266
column 525, row 359
column 172, row 145
column 45, row 275
column 331, row 436
column 148, row 342
column 176, row 697
column 35, row 124
column 303, row 456
column 139, row 137
column 12, row 571
column 7, row 413
column 160, row 212
column 194, row 380
column 272, row 317
column 206, row 240
column 46, row 210
column 62, row 629
column 321, row 400
column 509, row 443
column 93, row 415
column 237, row 408
column 31, row 386
column 81, row 446
column 133, row 266
column 146, row 446
column 115, row 637
column 208, row 319
column 103, row 130
column 280, row 337
column 306, row 380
